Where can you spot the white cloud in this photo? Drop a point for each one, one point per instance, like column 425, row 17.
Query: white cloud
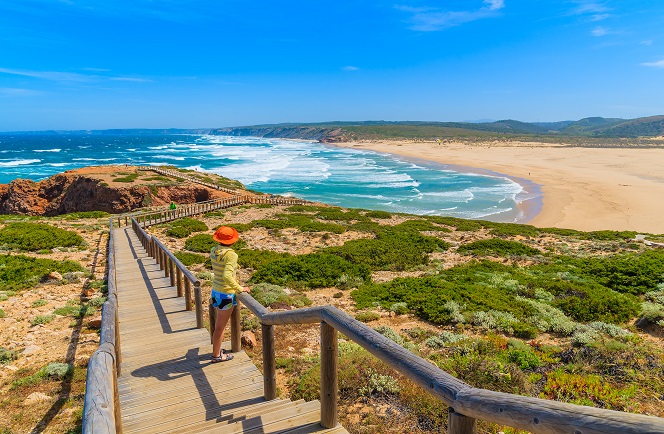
column 595, row 11
column 657, row 64
column 647, row 42
column 599, row 31
column 70, row 76
column 350, row 68
column 495, row 4
column 47, row 75
column 426, row 19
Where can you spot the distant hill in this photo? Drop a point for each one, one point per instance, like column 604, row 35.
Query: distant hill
column 340, row 131
column 652, row 126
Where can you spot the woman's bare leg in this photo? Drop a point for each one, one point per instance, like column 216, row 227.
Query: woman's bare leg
column 222, row 319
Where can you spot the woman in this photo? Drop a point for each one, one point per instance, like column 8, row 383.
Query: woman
column 224, row 286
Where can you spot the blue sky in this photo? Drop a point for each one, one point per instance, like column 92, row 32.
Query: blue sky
column 91, row 64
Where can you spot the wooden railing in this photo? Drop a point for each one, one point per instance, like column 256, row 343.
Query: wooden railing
column 179, row 275
column 163, row 216
column 177, row 174
column 101, row 408
column 466, row 404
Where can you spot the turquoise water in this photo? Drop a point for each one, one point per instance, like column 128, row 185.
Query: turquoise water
column 313, row 171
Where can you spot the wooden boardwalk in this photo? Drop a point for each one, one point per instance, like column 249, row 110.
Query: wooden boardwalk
column 168, row 384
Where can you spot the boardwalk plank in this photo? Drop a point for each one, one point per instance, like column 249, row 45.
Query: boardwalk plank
column 168, row 383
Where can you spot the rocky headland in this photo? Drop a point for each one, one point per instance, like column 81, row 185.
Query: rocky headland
column 114, row 189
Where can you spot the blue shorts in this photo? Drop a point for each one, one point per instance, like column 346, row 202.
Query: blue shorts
column 223, row 301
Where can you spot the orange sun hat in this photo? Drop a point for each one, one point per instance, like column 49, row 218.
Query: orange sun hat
column 226, row 235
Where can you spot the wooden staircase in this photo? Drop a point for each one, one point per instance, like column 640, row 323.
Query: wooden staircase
column 168, row 384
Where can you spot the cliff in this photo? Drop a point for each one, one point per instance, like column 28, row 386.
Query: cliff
column 321, row 134
column 78, row 191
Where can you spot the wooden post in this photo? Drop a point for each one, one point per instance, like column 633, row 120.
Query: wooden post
column 172, row 271
column 118, row 349
column 116, row 401
column 187, row 294
column 179, row 282
column 328, row 375
column 199, row 305
column 213, row 318
column 457, row 423
column 126, row 221
column 269, row 364
column 236, row 329
column 167, row 265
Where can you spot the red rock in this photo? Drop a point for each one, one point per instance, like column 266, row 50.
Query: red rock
column 94, row 323
column 248, row 339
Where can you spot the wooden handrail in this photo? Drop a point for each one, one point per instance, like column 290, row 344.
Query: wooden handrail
column 174, row 269
column 101, row 408
column 466, row 403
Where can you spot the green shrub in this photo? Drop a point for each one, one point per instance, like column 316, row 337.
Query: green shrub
column 75, row 311
column 399, row 308
column 497, row 246
column 390, row 250
column 97, row 301
column 313, row 270
column 189, row 259
column 39, row 303
column 378, row 384
column 275, row 296
column 3, row 314
column 366, row 226
column 182, row 228
column 592, row 302
column 178, row 232
column 42, row 319
column 302, row 222
column 129, row 178
column 378, row 214
column 52, row 371
column 37, row 236
column 633, row 273
column 524, row 358
column 256, row 258
column 428, row 297
column 202, row 243
column 85, row 215
column 512, row 229
column 367, row 316
column 20, row 272
column 652, row 313
column 7, row 356
column 340, row 215
column 440, row 341
column 609, row 235
column 305, row 208
column 460, row 224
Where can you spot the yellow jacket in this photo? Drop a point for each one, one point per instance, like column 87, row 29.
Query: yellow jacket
column 224, row 265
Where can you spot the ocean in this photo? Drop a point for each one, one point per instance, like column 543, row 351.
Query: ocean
column 313, row 171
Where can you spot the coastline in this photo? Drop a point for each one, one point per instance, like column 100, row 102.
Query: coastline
column 528, row 201
column 581, row 188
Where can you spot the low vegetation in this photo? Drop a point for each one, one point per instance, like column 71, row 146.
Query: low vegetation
column 37, row 236
column 19, row 272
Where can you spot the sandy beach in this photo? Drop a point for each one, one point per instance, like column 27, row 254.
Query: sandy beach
column 583, row 188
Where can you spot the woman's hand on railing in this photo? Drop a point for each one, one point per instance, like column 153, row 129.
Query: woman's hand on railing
column 246, row 289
